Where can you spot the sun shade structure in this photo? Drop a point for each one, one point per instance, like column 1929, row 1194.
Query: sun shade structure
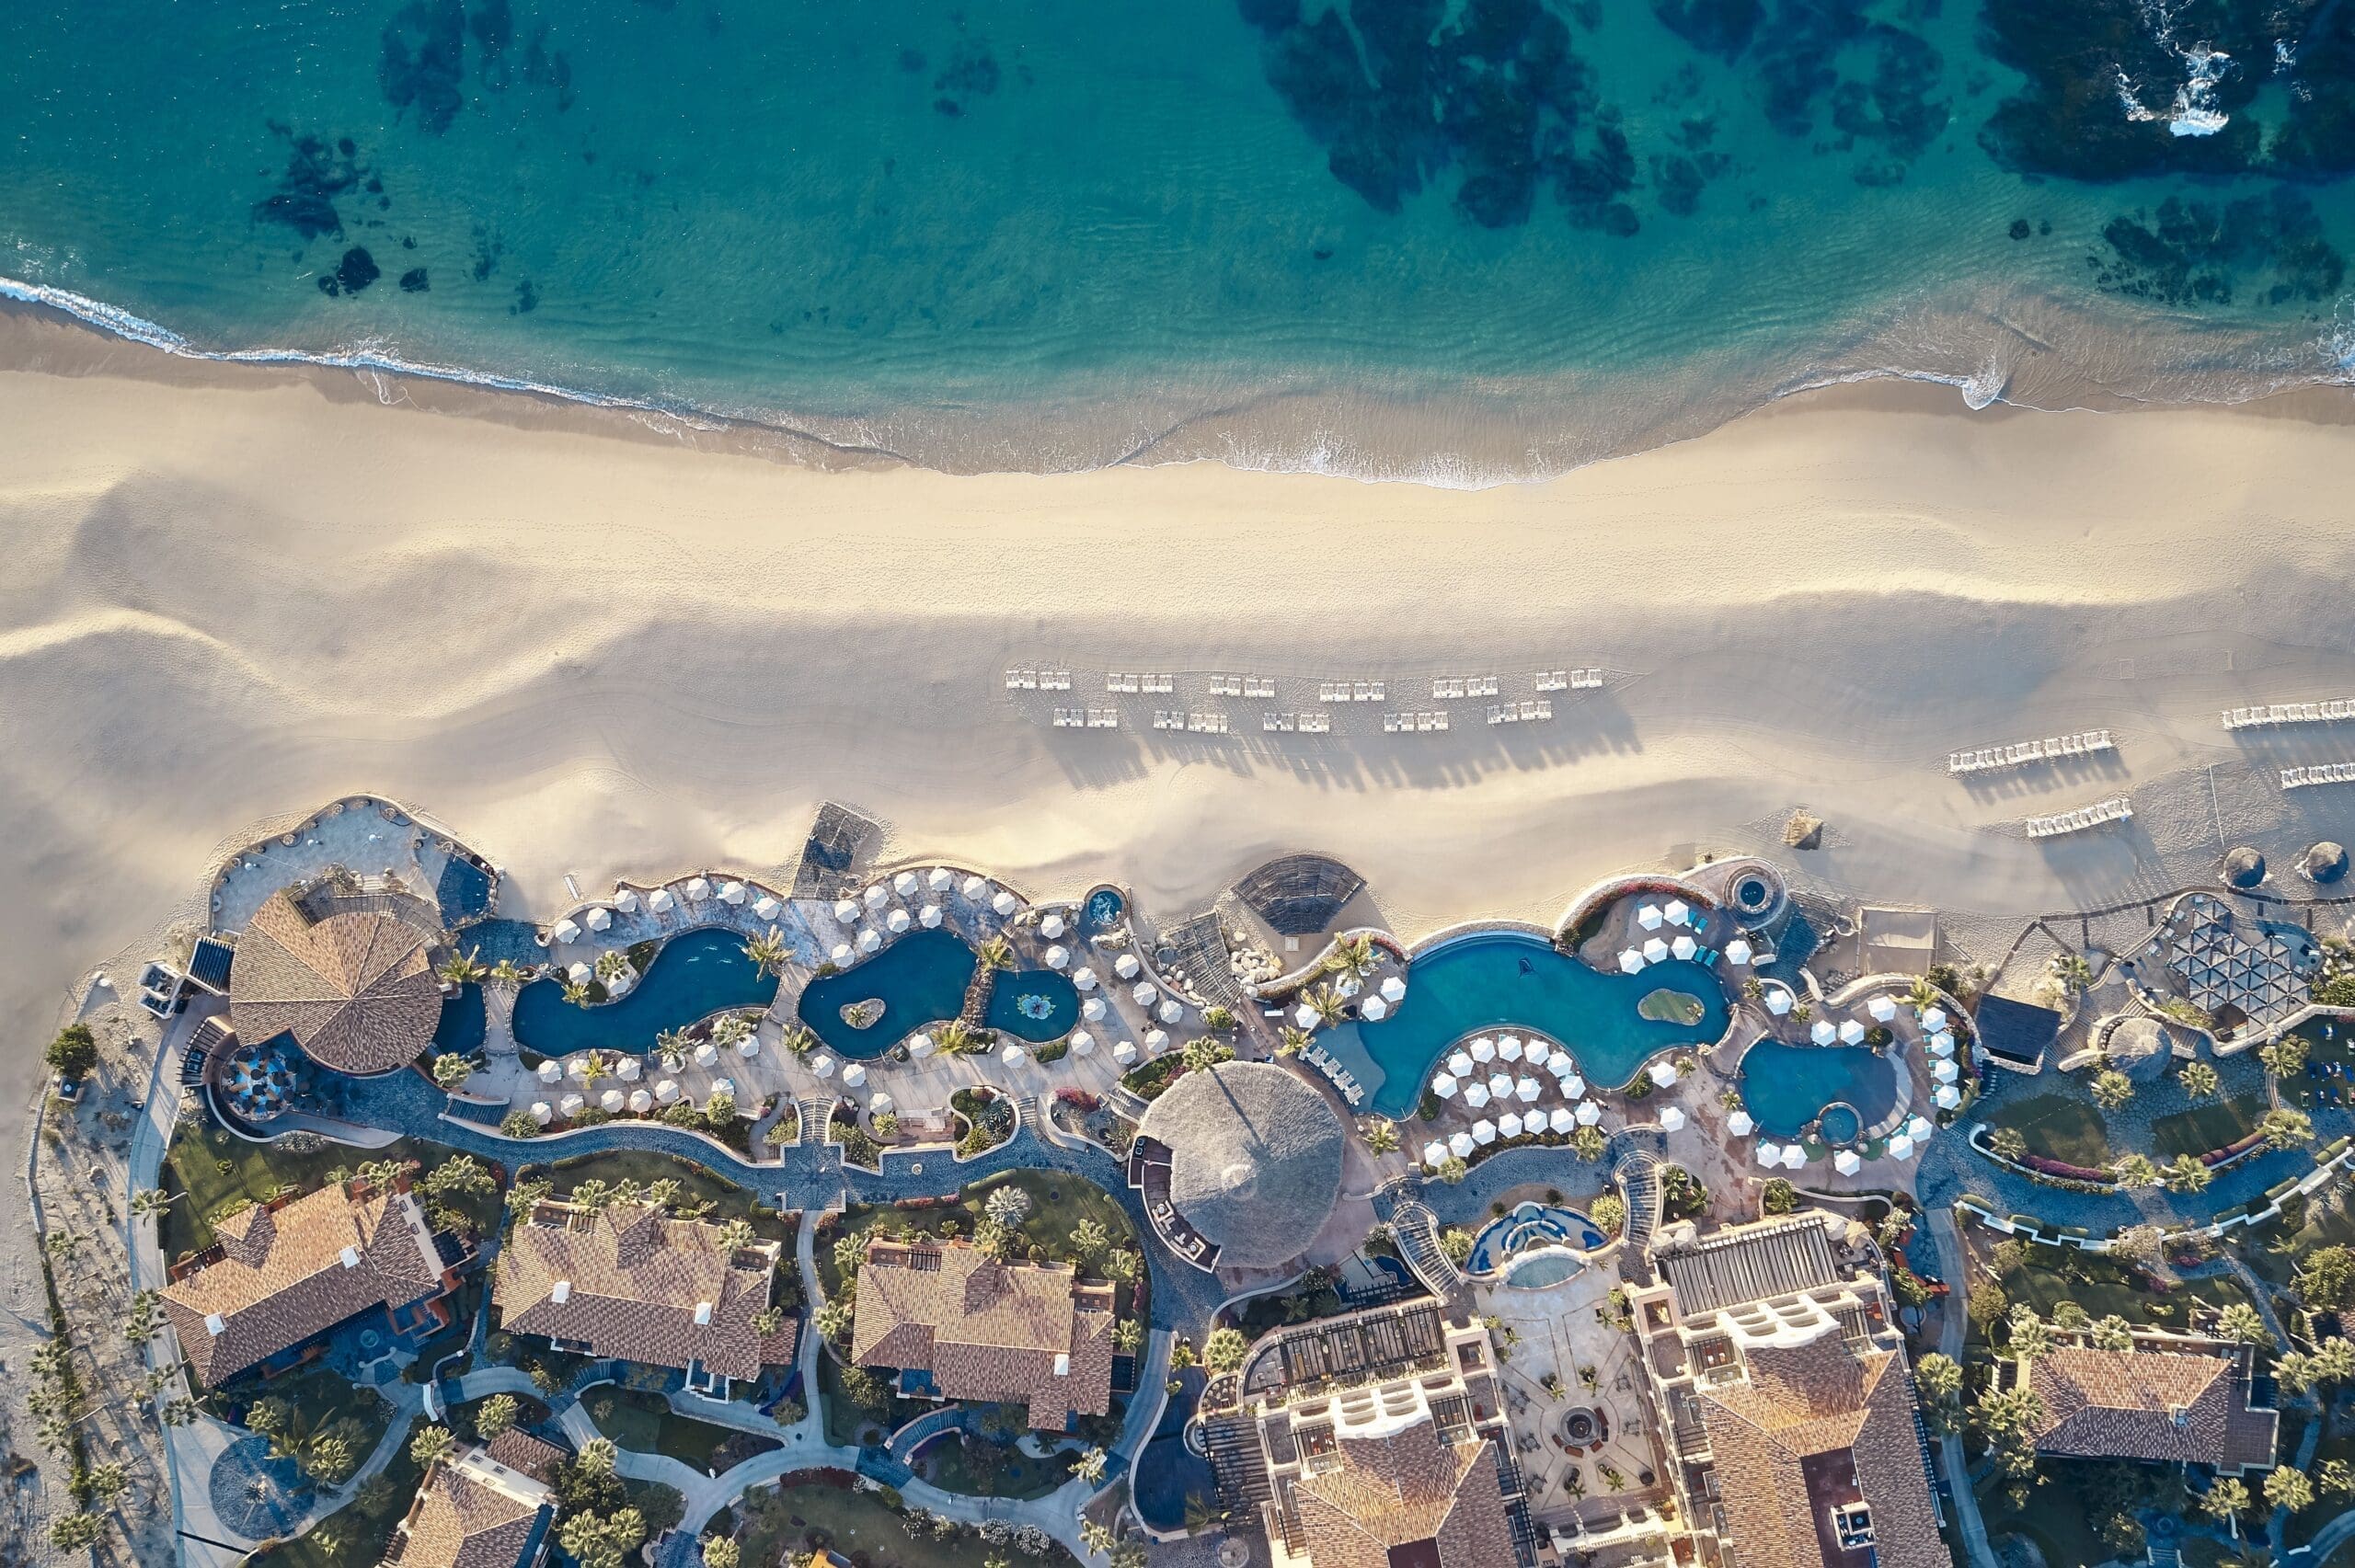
column 1255, row 1158
column 1299, row 894
column 355, row 992
column 1740, row 1124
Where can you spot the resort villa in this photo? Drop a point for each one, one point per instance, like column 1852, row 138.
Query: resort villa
column 474, row 1512
column 281, row 1273
column 1374, row 1438
column 1781, row 1385
column 354, row 987
column 2174, row 1398
column 958, row 1325
column 628, row 1283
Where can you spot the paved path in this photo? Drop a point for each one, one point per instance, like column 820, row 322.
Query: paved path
column 1952, row 1327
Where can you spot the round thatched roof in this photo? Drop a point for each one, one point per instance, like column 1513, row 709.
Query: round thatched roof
column 2139, row 1047
column 1254, row 1159
column 2243, row 867
column 355, row 991
column 2325, row 861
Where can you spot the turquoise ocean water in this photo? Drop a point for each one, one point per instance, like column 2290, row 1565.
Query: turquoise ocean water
column 1465, row 239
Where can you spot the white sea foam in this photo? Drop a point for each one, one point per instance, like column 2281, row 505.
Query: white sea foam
column 2194, row 112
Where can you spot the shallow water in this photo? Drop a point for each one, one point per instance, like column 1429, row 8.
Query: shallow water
column 694, row 975
column 1784, row 1086
column 1460, row 240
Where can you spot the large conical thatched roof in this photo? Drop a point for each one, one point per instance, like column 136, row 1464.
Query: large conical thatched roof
column 1254, row 1159
column 2243, row 867
column 355, row 991
column 2325, row 861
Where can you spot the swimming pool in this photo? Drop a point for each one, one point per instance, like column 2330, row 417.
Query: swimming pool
column 695, row 976
column 1787, row 1086
column 1513, row 979
column 920, row 979
column 460, row 1029
column 1529, row 1226
column 1103, row 910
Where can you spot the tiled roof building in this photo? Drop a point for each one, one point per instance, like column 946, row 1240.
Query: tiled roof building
column 631, row 1283
column 2173, row 1399
column 474, row 1512
column 281, row 1273
column 355, row 991
column 959, row 1324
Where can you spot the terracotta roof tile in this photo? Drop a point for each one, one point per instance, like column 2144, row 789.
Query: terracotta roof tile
column 2174, row 1406
column 356, row 990
column 1401, row 1488
column 987, row 1330
column 470, row 1515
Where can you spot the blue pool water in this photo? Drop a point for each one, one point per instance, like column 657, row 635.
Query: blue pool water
column 1103, row 908
column 921, row 980
column 1785, row 1085
column 461, row 1026
column 694, row 976
column 1530, row 1225
column 1539, row 1273
column 1511, row 980
column 1840, row 1123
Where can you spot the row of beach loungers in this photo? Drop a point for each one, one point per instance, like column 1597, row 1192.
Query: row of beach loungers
column 1161, row 685
column 1305, row 724
column 1588, row 678
column 2289, row 713
column 1193, row 724
column 2113, row 810
column 1521, row 713
column 1352, row 691
column 1465, row 686
column 1341, row 1077
column 1088, row 718
column 1038, row 679
column 2320, row 773
column 2085, row 743
column 1243, row 685
column 1414, row 722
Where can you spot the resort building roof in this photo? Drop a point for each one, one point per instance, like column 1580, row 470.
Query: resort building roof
column 1403, row 1495
column 2016, row 1031
column 521, row 1451
column 280, row 1273
column 1255, row 1158
column 1749, row 1263
column 974, row 1328
column 629, row 1282
column 474, row 1512
column 356, row 990
column 2173, row 1399
column 1299, row 894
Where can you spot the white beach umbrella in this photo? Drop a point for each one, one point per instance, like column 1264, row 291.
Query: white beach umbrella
column 1934, row 1019
column 974, row 887
column 1059, row 957
column 1304, row 1016
column 1004, row 902
column 641, row 1101
column 1483, row 1050
column 875, row 896
column 1852, row 1033
column 898, row 920
column 1393, row 989
column 1083, row 1043
column 551, row 1071
column 1740, row 1123
column 1685, row 948
column 929, row 918
column 1476, row 1095
column 904, row 884
column 1901, row 1148
column 1677, row 912
column 1630, row 961
column 1052, row 927
column 698, row 889
column 1794, row 1157
column 599, row 919
column 847, row 910
column 1509, row 1124
column 1655, row 951
column 1588, row 1112
column 660, row 901
column 1126, row 966
column 543, row 1112
column 1500, row 1086
column 579, row 974
column 1560, row 1119
column 1737, row 951
column 920, row 1044
column 1942, row 1044
column 823, row 1065
column 1124, row 1053
column 1823, row 1032
column 1460, row 1145
column 1778, row 1002
column 571, row 1105
column 1444, row 1086
column 723, row 1086
column 1561, row 1063
column 1648, row 917
column 611, row 1100
column 706, row 1053
column 667, row 1090
column 565, row 931
column 1847, row 1162
column 1484, row 1132
column 1671, row 1119
column 1082, row 980
column 1945, row 1071
column 1145, row 993
column 1947, row 1097
column 1460, row 1063
column 1769, row 1154
column 939, row 878
column 1094, row 1009
column 1169, row 1011
column 627, row 1069
column 1373, row 1010
column 1919, row 1130
column 1012, row 1054
column 1434, row 1154
column 1525, row 1090
column 1663, row 1074
column 748, row 1046
column 843, row 954
column 1882, row 1008
column 853, row 1074
column 621, row 984
column 1573, row 1087
column 869, row 940
column 1507, row 1048
column 625, row 900
column 578, row 1068
column 1157, row 1041
column 767, row 908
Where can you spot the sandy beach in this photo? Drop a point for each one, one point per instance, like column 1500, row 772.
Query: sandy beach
column 598, row 648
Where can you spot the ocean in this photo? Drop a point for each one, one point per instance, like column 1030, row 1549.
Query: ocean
column 1462, row 241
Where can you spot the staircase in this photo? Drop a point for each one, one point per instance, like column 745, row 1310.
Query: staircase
column 1638, row 1173
column 1416, row 1231
column 814, row 1111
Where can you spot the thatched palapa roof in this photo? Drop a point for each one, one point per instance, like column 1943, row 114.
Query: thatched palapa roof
column 1255, row 1158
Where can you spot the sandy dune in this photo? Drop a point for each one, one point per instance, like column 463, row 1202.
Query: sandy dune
column 593, row 649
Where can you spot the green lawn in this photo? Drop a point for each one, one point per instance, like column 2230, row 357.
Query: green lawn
column 2058, row 1126
column 2326, row 1508
column 646, row 1167
column 2204, row 1128
column 193, row 1165
column 1017, row 1475
column 848, row 1424
column 644, row 1422
column 2276, row 1253
column 2067, row 1503
column 1058, row 1202
column 320, row 1398
column 356, row 1535
column 2102, row 1286
column 770, row 1521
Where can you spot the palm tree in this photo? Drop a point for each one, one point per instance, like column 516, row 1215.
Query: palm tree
column 2076, row 976
column 1290, row 1040
column 1090, row 1468
column 506, row 972
column 2112, row 1089
column 1587, row 1143
column 2135, row 1171
column 769, row 951
column 800, row 1040
column 996, row 953
column 1921, row 993
column 1352, row 956
column 461, row 969
column 954, row 1037
column 2226, row 1500
column 1328, row 1004
column 1451, row 1170
column 2009, row 1143
column 577, row 992
column 2198, row 1080
column 736, row 1235
column 611, row 965
column 1381, row 1136
column 592, row 1196
column 451, row 1071
column 2187, row 1175
column 150, row 1201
